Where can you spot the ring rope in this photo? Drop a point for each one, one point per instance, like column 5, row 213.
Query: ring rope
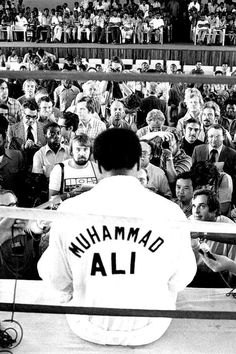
column 123, row 76
column 103, row 311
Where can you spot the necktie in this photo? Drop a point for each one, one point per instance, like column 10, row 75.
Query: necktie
column 213, row 155
column 29, row 133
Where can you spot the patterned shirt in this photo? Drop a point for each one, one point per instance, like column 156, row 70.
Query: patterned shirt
column 65, row 96
column 12, row 110
column 92, row 129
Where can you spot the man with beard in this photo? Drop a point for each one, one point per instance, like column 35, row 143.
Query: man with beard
column 76, row 174
column 190, row 139
column 52, row 153
column 117, row 116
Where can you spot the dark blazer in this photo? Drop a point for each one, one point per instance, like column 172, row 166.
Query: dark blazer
column 11, row 170
column 227, row 155
column 152, row 102
column 17, row 137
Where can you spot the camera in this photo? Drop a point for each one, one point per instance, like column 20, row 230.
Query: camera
column 165, row 145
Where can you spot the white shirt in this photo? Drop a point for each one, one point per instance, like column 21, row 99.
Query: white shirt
column 131, row 234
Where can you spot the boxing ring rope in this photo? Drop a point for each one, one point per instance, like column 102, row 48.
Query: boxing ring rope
column 123, row 76
column 52, row 215
column 103, row 311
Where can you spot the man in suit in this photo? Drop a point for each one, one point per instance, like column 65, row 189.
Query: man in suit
column 11, row 166
column 151, row 102
column 27, row 135
column 216, row 152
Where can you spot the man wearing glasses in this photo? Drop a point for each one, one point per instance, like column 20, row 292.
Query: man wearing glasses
column 27, row 135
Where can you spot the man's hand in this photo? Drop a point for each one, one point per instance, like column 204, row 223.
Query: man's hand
column 20, row 224
column 163, row 135
column 221, row 263
column 29, row 144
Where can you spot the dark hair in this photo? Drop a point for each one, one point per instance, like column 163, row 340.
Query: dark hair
column 50, row 125
column 117, row 149
column 3, row 133
column 71, row 120
column 3, row 122
column 3, row 81
column 212, row 200
column 150, row 143
column 203, row 173
column 192, row 120
column 185, row 175
column 30, row 104
column 90, row 103
column 45, row 99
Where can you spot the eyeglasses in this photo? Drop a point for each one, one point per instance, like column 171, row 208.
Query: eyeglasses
column 145, row 154
column 29, row 117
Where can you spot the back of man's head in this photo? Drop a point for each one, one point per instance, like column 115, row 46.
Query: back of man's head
column 117, row 149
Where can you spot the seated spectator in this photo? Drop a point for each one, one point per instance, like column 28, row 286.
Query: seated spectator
column 210, row 115
column 69, row 125
column 43, row 56
column 44, row 25
column 127, row 28
column 69, row 63
column 215, row 151
column 87, row 123
column 99, row 27
column 155, row 122
column 194, row 103
column 20, row 23
column 85, row 26
column 231, row 30
column 11, row 166
column 202, row 29
column 7, row 21
column 156, row 24
column 144, row 7
column 56, row 25
column 173, row 159
column 27, row 135
column 52, row 153
column 64, row 94
column 208, row 175
column 198, row 70
column 29, row 88
column 14, row 108
column 184, row 192
column 157, row 180
column 114, row 27
column 13, row 57
column 151, row 101
column 190, row 139
column 67, row 179
column 142, row 28
column 206, row 207
column 47, row 113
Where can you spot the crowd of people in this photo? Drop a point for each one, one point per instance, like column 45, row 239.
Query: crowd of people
column 187, row 135
column 105, row 21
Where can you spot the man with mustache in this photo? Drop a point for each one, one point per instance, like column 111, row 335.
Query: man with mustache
column 76, row 174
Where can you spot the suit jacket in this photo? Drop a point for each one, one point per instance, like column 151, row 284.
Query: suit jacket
column 11, row 170
column 227, row 155
column 152, row 102
column 17, row 136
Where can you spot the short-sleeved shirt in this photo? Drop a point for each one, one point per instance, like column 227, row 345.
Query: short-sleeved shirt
column 45, row 159
column 73, row 177
column 92, row 129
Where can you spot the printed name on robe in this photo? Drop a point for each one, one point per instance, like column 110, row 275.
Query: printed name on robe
column 84, row 241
